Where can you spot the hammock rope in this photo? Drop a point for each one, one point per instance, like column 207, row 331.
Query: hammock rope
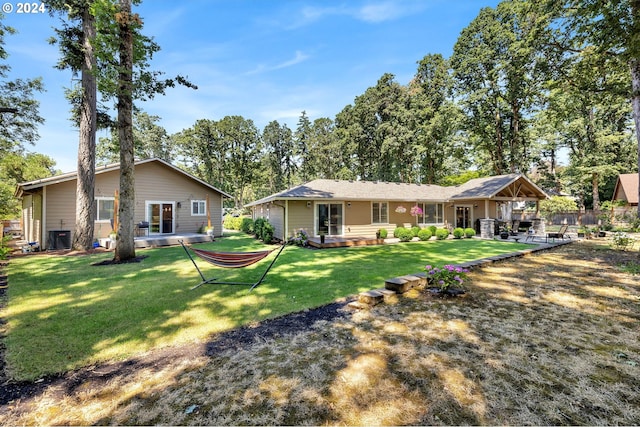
column 230, row 260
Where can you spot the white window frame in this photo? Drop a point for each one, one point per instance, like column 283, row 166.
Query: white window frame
column 102, row 199
column 201, row 203
column 379, row 220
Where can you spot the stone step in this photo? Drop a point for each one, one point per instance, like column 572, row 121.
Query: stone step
column 370, row 298
column 404, row 284
column 357, row 305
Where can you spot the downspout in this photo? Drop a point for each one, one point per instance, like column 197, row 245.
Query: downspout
column 286, row 219
column 43, row 226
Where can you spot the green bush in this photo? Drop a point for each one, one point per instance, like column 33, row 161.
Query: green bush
column 231, row 222
column 424, row 234
column 267, row 232
column 442, row 233
column 458, row 233
column 404, row 234
column 246, row 225
column 398, row 231
column 226, row 223
column 469, row 232
column 432, row 229
column 415, row 230
column 383, row 233
column 258, row 226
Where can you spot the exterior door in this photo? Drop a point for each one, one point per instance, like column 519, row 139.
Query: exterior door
column 160, row 217
column 329, row 219
column 463, row 217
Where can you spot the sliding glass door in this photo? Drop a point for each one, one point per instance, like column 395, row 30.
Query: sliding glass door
column 160, row 217
column 329, row 219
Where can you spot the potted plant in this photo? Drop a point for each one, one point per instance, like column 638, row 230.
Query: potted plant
column 582, row 231
column 209, row 231
column 504, row 233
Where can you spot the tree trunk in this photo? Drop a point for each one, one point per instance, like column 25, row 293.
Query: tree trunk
column 595, row 192
column 125, row 246
column 85, row 203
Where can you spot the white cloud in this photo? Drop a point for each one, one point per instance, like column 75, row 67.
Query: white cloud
column 371, row 12
column 299, row 57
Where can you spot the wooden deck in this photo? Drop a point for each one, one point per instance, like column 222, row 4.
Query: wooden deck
column 343, row 242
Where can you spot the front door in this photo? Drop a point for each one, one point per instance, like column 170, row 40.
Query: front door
column 160, row 217
column 329, row 219
column 463, row 216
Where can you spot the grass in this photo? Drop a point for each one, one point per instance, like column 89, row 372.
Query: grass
column 64, row 313
column 546, row 339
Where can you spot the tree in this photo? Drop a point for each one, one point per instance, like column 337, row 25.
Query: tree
column 125, row 247
column 498, row 62
column 612, row 28
column 203, row 150
column 434, row 120
column 17, row 167
column 20, row 119
column 241, row 139
column 375, row 131
column 279, row 153
column 301, row 138
column 150, row 140
column 112, row 34
column 78, row 54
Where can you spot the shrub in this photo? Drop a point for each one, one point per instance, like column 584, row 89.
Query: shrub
column 442, row 233
column 404, row 234
column 432, row 229
column 228, row 223
column 424, row 234
column 246, row 225
column 398, row 231
column 258, row 226
column 448, row 276
column 267, row 232
column 301, row 238
column 383, row 233
column 5, row 250
column 415, row 230
column 458, row 233
column 469, row 232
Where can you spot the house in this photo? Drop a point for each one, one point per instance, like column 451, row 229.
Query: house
column 360, row 208
column 626, row 189
column 169, row 199
column 626, row 192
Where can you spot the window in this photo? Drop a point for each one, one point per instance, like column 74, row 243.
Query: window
column 104, row 208
column 198, row 208
column 379, row 213
column 432, row 213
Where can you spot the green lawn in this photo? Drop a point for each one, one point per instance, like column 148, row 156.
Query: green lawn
column 64, row 313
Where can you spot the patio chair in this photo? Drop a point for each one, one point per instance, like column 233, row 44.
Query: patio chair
column 560, row 234
column 142, row 228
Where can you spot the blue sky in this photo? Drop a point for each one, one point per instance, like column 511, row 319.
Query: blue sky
column 263, row 60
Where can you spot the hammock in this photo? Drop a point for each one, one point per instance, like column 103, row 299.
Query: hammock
column 230, row 260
